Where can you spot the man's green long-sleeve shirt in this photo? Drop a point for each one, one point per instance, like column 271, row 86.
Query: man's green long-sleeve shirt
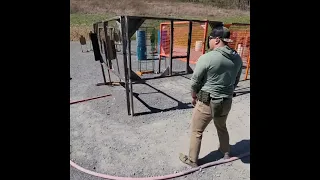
column 217, row 72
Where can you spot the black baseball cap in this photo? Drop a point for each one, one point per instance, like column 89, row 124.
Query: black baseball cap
column 221, row 32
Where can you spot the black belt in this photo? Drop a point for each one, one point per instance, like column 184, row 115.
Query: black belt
column 216, row 98
column 219, row 98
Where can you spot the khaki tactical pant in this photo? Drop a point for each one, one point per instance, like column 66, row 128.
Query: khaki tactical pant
column 217, row 110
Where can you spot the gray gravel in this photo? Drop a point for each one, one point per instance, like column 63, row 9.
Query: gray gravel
column 103, row 138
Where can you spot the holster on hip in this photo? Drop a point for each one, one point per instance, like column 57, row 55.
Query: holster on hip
column 203, row 96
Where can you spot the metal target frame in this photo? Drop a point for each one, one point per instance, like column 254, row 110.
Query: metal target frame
column 127, row 27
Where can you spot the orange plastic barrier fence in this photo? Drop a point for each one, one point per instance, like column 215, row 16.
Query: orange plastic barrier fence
column 240, row 34
column 180, row 39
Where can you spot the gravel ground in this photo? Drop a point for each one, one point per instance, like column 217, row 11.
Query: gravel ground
column 104, row 139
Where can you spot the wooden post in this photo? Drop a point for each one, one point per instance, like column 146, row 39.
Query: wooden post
column 205, row 34
column 247, row 69
column 171, row 48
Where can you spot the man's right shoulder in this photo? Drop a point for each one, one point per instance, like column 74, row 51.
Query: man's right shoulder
column 209, row 55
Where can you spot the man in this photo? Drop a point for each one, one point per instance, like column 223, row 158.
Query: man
column 215, row 77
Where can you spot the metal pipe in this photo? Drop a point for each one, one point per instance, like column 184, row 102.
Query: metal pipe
column 175, row 57
column 103, row 73
column 105, row 24
column 181, row 73
column 189, row 46
column 114, row 18
column 169, row 19
column 95, row 28
column 159, row 67
column 117, row 74
column 130, row 65
column 124, row 49
column 171, row 47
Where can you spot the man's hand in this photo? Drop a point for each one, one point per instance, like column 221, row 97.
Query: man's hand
column 194, row 95
column 194, row 102
column 194, row 98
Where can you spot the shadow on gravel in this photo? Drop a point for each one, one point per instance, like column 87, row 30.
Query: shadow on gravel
column 239, row 148
column 239, row 93
column 242, row 91
column 180, row 105
column 156, row 110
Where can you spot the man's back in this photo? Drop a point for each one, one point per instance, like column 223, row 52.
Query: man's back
column 218, row 71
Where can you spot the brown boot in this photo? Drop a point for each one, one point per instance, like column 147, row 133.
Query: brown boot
column 225, row 155
column 185, row 159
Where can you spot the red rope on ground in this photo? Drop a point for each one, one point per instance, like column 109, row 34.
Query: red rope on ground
column 74, row 102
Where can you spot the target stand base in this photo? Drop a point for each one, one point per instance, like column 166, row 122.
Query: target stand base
column 110, row 84
column 140, row 73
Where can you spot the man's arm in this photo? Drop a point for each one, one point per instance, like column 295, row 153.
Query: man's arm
column 238, row 75
column 197, row 77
